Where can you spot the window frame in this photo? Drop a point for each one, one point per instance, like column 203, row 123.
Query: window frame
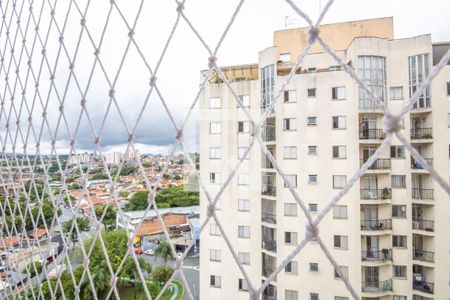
column 308, row 119
column 338, row 147
column 340, row 209
column 290, row 209
column 335, row 93
column 339, row 123
column 292, row 236
column 392, row 93
column 215, row 257
column 341, row 240
column 217, row 104
column 245, row 207
column 292, row 178
column 217, row 278
column 337, row 184
column 242, row 230
column 217, row 127
column 215, row 151
column 292, row 149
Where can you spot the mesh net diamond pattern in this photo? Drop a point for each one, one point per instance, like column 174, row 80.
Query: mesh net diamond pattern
column 40, row 45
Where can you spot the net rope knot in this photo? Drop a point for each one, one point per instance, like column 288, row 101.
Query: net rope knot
column 180, row 7
column 312, row 232
column 313, row 34
column 212, row 61
column 179, row 134
column 210, row 210
column 153, row 80
column 178, row 262
column 391, row 123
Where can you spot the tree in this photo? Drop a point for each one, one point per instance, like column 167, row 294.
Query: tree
column 130, row 271
column 164, row 251
column 83, row 224
column 162, row 274
column 35, row 268
column 75, row 186
column 146, row 164
column 109, row 220
column 138, row 201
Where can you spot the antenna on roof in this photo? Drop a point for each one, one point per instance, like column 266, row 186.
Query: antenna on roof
column 287, row 22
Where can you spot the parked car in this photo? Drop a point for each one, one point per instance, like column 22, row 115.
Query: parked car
column 138, row 251
column 149, row 252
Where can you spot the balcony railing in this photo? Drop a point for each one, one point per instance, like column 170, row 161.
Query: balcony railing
column 376, row 225
column 415, row 165
column 377, row 256
column 377, row 286
column 421, row 224
column 266, row 271
column 424, row 287
column 376, row 194
column 368, row 104
column 421, row 133
column 268, row 189
column 268, row 133
column 379, row 164
column 372, row 134
column 421, row 255
column 266, row 163
column 422, row 193
column 269, row 245
column 269, row 217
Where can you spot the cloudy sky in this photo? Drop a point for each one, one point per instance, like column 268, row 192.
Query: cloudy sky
column 178, row 76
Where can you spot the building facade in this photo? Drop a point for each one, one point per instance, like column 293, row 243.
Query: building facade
column 390, row 233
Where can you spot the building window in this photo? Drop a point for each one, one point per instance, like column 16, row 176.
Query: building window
column 214, row 255
column 244, row 258
column 215, row 127
column 285, row 57
column 312, row 121
column 290, row 96
column 267, row 85
column 290, row 209
column 339, row 122
column 243, row 179
column 398, row 297
column 372, row 71
column 397, row 151
column 448, row 88
column 311, row 93
column 245, row 100
column 344, row 272
column 215, row 281
column 290, row 124
column 290, row 238
column 399, row 241
column 340, row 298
column 215, row 102
column 290, row 152
column 396, row 92
column 341, row 242
column 291, row 295
column 398, row 181
column 244, row 205
column 312, row 207
column 291, row 268
column 312, row 179
column 399, row 271
column 244, row 232
column 448, row 120
column 292, row 179
column 335, row 68
column 214, row 178
column 419, row 68
column 313, row 296
column 214, row 152
column 214, row 229
column 312, row 70
column 399, row 211
column 312, row 150
column 243, row 285
column 243, row 126
column 313, row 267
column 241, row 153
column 339, row 181
column 338, row 93
column 340, row 152
column 340, row 212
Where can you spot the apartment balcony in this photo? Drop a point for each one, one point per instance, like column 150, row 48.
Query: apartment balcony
column 376, row 194
column 376, row 225
column 422, row 194
column 382, row 255
column 269, row 190
column 269, row 133
column 372, row 134
column 415, row 165
column 421, row 133
column 423, row 225
column 369, row 105
column 269, row 245
column 417, row 297
column 424, row 287
column 266, row 164
column 426, row 256
column 268, row 217
column 377, row 286
column 379, row 164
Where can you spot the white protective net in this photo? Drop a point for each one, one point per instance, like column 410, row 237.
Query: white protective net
column 30, row 98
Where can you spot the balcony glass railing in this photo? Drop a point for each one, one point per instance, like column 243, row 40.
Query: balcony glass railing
column 421, row 133
column 379, row 164
column 421, row 255
column 266, row 271
column 269, row 217
column 268, row 133
column 377, row 286
column 268, row 189
column 372, row 134
column 377, row 255
column 368, row 104
column 376, row 194
column 421, row 224
column 376, row 225
column 269, row 245
column 415, row 165
column 423, row 286
column 426, row 194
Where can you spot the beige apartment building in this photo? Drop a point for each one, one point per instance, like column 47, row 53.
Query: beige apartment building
column 390, row 234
